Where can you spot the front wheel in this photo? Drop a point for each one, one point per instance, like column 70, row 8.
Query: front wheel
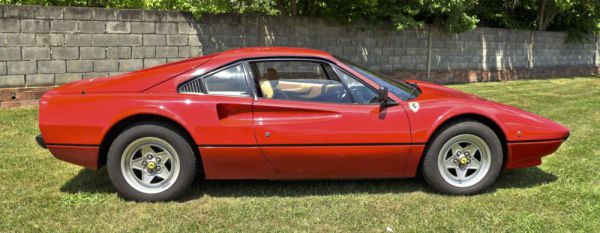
column 151, row 162
column 464, row 158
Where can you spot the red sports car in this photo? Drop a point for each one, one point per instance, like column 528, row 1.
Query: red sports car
column 284, row 113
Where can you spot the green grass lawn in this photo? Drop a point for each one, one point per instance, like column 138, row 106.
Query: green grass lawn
column 40, row 193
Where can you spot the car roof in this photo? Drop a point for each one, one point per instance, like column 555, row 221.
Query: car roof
column 256, row 52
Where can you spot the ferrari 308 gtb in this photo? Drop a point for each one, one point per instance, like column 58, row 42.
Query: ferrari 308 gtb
column 284, row 113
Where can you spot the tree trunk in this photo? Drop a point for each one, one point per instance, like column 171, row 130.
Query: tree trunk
column 541, row 13
column 282, row 8
column 293, row 8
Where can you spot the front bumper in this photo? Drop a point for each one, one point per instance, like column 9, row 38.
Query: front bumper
column 529, row 154
column 40, row 141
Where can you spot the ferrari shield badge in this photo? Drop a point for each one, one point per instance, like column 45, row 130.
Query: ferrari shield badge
column 414, row 106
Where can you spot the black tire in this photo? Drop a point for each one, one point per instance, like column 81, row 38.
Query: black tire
column 186, row 156
column 430, row 166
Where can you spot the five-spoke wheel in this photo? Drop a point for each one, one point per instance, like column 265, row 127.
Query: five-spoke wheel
column 151, row 161
column 150, row 165
column 463, row 158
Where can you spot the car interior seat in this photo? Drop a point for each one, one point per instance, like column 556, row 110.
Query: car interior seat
column 266, row 84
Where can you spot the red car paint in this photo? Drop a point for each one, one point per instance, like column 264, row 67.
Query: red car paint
column 309, row 141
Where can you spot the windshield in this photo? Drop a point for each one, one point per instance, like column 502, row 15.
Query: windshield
column 399, row 88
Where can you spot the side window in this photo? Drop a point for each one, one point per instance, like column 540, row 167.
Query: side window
column 230, row 81
column 362, row 94
column 299, row 80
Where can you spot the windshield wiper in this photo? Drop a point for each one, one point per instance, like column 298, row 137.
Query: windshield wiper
column 413, row 85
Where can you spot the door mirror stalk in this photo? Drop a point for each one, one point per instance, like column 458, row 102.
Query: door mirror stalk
column 384, row 99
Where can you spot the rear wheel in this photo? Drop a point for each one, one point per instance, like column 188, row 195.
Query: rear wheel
column 464, row 158
column 151, row 162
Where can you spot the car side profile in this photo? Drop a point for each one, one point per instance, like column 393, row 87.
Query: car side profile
column 278, row 113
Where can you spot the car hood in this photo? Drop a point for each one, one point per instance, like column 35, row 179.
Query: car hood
column 431, row 91
column 136, row 81
column 511, row 118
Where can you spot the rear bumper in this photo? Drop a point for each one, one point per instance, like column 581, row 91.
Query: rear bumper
column 86, row 156
column 529, row 154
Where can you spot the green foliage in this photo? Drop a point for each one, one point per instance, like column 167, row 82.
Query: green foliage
column 579, row 17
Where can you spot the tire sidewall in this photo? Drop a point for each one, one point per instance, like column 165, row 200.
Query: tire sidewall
column 431, row 171
column 182, row 147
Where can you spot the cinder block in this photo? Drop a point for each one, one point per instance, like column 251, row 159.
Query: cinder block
column 130, row 15
column 21, row 67
column 143, row 52
column 94, row 75
column 16, row 11
column 63, row 25
column 196, row 51
column 130, row 64
column 173, row 59
column 20, row 39
column 167, row 52
column 194, row 40
column 66, row 78
column 49, row 12
column 142, row 27
column 36, row 53
column 154, row 62
column 153, row 15
column 177, row 40
column 78, row 40
column 51, row 67
column 12, row 80
column 91, row 27
column 106, row 66
column 187, row 28
column 9, row 25
column 33, row 80
column 166, row 28
column 105, row 14
column 154, row 40
column 78, row 13
column 118, row 27
column 65, row 53
column 50, row 39
column 74, row 66
column 118, row 52
column 117, row 40
column 10, row 54
column 34, row 25
column 184, row 52
column 175, row 16
column 92, row 53
column 3, row 68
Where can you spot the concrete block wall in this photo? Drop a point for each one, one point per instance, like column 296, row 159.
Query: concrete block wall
column 48, row 46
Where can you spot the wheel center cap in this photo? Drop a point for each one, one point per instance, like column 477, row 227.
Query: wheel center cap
column 151, row 165
column 463, row 160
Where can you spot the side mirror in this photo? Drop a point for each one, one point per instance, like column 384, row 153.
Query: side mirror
column 383, row 96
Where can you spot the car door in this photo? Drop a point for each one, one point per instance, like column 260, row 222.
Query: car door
column 312, row 117
column 218, row 109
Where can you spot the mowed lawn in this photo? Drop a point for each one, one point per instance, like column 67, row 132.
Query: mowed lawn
column 40, row 193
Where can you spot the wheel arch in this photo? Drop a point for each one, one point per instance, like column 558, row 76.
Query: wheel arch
column 129, row 121
column 469, row 117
